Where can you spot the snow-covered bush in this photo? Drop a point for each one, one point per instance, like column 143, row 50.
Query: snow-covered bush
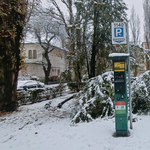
column 140, row 93
column 40, row 94
column 96, row 99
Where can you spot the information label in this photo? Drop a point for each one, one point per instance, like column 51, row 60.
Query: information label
column 120, row 107
column 119, row 65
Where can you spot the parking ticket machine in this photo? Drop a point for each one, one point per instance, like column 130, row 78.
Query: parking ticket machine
column 121, row 108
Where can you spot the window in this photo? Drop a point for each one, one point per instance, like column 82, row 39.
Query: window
column 30, row 54
column 34, row 54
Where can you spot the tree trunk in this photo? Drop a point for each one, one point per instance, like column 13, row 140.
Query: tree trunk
column 8, row 95
column 94, row 46
column 48, row 67
column 63, row 102
column 11, row 33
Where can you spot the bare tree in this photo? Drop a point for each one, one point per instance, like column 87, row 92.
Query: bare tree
column 46, row 29
column 33, row 6
column 73, row 28
column 135, row 26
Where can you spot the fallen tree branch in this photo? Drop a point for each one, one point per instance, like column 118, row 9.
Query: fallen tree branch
column 63, row 102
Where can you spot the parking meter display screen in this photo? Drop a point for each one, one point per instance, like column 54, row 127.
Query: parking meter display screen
column 119, row 82
column 119, row 76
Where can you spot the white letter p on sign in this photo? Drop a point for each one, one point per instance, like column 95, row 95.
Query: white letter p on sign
column 118, row 32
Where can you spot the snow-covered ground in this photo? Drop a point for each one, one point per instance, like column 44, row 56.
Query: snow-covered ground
column 33, row 127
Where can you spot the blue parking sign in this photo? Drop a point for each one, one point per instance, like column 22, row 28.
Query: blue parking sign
column 118, row 32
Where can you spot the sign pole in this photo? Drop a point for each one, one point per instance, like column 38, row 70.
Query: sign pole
column 129, row 79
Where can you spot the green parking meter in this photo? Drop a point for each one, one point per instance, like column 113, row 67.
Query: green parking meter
column 121, row 108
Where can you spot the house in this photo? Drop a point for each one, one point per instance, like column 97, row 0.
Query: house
column 146, row 46
column 33, row 54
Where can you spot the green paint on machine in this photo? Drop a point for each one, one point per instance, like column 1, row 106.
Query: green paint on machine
column 120, row 112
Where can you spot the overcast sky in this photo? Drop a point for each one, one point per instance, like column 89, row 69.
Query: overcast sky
column 138, row 5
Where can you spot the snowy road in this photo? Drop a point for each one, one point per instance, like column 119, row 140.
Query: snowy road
column 35, row 128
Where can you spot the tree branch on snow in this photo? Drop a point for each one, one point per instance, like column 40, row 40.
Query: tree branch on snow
column 63, row 102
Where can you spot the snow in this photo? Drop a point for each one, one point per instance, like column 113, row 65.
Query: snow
column 33, row 127
column 118, row 54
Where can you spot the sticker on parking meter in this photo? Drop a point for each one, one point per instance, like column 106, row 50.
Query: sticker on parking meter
column 120, row 107
column 119, row 65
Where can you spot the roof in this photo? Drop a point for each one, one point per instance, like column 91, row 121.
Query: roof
column 63, row 49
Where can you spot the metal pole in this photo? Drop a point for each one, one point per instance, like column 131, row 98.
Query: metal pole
column 129, row 79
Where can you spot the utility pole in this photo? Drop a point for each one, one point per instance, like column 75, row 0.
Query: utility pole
column 129, row 78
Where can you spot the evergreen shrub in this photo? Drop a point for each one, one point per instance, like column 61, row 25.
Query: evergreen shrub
column 141, row 93
column 96, row 98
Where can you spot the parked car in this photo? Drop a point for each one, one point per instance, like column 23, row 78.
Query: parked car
column 29, row 84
